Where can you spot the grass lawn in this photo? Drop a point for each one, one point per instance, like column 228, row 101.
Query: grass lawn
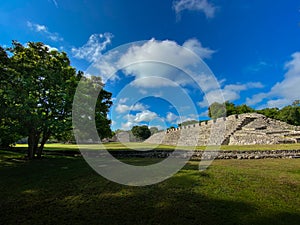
column 144, row 146
column 65, row 190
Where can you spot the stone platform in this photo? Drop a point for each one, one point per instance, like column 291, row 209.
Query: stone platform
column 243, row 129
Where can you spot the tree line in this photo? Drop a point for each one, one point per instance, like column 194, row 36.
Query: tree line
column 37, row 86
column 289, row 114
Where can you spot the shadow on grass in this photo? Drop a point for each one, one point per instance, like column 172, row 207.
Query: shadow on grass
column 63, row 190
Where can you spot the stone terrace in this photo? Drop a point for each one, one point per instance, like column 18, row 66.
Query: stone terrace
column 243, row 129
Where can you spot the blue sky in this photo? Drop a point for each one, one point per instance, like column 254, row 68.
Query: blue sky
column 251, row 47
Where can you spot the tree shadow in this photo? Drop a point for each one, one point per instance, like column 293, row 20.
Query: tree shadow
column 67, row 191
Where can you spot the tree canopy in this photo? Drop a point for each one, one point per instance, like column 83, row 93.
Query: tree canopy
column 289, row 114
column 141, row 132
column 37, row 87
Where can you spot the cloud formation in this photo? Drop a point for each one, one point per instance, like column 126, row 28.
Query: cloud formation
column 143, row 116
column 194, row 5
column 122, row 108
column 230, row 92
column 92, row 50
column 195, row 46
column 151, row 69
column 44, row 30
column 284, row 92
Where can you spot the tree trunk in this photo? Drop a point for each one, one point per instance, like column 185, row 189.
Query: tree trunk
column 30, row 147
column 41, row 147
column 33, row 141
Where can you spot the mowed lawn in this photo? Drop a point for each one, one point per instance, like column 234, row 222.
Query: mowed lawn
column 144, row 146
column 65, row 190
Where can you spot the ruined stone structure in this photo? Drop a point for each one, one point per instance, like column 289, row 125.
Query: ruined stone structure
column 243, row 129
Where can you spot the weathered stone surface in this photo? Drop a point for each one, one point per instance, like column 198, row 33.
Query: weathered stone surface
column 198, row 155
column 244, row 129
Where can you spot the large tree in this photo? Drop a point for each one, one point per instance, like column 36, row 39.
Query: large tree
column 290, row 114
column 141, row 132
column 9, row 127
column 39, row 87
column 217, row 110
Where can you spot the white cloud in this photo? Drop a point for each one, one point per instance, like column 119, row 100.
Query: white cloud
column 51, row 48
column 132, row 120
column 257, row 98
column 189, row 117
column 92, row 50
column 127, row 125
column 151, row 69
column 143, row 91
column 289, row 87
column 145, row 116
column 284, row 92
column 174, row 119
column 204, row 114
column 230, row 92
column 171, row 117
column 195, row 46
column 122, row 108
column 123, row 100
column 44, row 30
column 277, row 103
column 152, row 63
column 194, row 5
column 260, row 65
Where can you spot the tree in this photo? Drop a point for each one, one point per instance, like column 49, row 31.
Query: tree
column 154, row 130
column 9, row 128
column 216, row 110
column 290, row 114
column 296, row 103
column 240, row 109
column 91, row 105
column 141, row 132
column 186, row 123
column 269, row 112
column 40, row 87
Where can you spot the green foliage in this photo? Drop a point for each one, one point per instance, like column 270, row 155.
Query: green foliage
column 154, row 130
column 216, row 110
column 141, row 132
column 232, row 109
column 269, row 112
column 240, row 109
column 9, row 127
column 37, row 88
column 189, row 122
column 290, row 114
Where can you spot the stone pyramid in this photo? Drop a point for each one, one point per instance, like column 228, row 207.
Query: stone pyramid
column 243, row 129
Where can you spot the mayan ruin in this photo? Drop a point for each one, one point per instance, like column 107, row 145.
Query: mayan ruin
column 243, row 129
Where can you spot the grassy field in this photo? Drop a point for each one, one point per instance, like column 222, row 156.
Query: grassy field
column 144, row 146
column 65, row 190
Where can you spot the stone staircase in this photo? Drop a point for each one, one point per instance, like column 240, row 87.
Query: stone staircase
column 239, row 126
column 244, row 129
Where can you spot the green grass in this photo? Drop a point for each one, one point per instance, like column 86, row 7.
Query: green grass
column 65, row 190
column 144, row 146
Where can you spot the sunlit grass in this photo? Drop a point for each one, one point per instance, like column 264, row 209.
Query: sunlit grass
column 65, row 190
column 146, row 146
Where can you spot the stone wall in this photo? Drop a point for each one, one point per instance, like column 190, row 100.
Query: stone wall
column 198, row 155
column 243, row 129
